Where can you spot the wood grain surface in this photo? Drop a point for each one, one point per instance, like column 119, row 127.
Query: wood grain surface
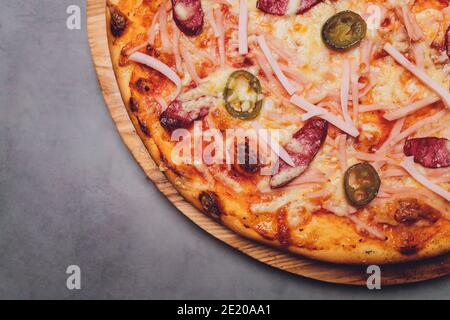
column 342, row 274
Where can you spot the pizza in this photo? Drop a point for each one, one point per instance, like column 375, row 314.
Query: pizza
column 317, row 127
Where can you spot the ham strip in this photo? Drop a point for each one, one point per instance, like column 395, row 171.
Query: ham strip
column 243, row 27
column 408, row 165
column 286, row 7
column 417, row 126
column 420, row 74
column 413, row 29
column 411, row 108
column 345, row 87
column 275, row 66
column 324, row 114
column 159, row 66
column 166, row 45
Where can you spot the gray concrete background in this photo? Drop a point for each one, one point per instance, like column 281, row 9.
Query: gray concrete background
column 70, row 192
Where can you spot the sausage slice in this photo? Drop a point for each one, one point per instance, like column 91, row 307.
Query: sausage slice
column 177, row 116
column 302, row 148
column 286, row 7
column 188, row 16
column 118, row 22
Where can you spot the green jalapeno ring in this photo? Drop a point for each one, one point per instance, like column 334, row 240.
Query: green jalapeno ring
column 255, row 106
column 344, row 30
column 361, row 184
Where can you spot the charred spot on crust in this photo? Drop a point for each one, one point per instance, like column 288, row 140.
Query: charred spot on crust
column 210, row 203
column 169, row 166
column 143, row 85
column 144, row 128
column 408, row 244
column 152, row 51
column 247, row 159
column 118, row 23
column 133, row 104
column 411, row 211
column 283, row 232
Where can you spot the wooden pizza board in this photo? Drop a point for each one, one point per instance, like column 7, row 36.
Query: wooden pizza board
column 342, row 274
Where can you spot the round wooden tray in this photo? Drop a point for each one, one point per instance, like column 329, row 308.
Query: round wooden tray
column 343, row 274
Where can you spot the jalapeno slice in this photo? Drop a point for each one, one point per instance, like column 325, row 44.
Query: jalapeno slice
column 361, row 184
column 344, row 30
column 242, row 95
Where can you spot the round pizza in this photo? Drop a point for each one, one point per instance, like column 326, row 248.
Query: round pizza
column 318, row 127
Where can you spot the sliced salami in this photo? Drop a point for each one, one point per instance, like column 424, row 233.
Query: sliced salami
column 305, row 5
column 302, row 148
column 275, row 7
column 176, row 116
column 286, row 7
column 429, row 152
column 189, row 16
column 447, row 41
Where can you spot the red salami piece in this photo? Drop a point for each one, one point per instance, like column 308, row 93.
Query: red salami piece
column 305, row 5
column 188, row 15
column 302, row 148
column 176, row 116
column 447, row 41
column 285, row 7
column 275, row 7
column 429, row 152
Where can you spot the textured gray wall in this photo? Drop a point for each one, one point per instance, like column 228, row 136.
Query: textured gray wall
column 70, row 192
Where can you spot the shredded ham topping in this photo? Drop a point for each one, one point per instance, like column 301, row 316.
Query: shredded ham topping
column 342, row 142
column 275, row 66
column 161, row 67
column 366, row 53
column 162, row 103
column 375, row 107
column 153, row 29
column 420, row 74
column 163, row 29
column 212, row 22
column 418, row 55
column 345, row 87
column 413, row 29
column 310, row 176
column 369, row 229
column 354, row 81
column 324, row 114
column 274, row 146
column 408, row 165
column 410, row 108
column 221, row 39
column 396, row 129
column 321, row 193
column 176, row 49
column 418, row 125
column 243, row 27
